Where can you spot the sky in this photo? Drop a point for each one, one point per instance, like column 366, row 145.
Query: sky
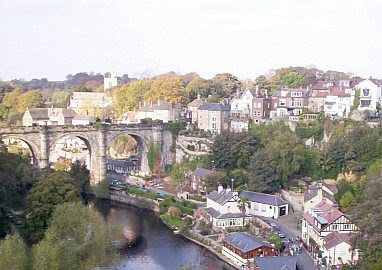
column 53, row 38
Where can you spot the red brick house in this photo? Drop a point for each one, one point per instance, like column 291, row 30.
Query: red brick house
column 197, row 180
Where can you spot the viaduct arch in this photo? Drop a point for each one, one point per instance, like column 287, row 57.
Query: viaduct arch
column 41, row 139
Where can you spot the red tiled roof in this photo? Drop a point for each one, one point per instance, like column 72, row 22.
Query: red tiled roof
column 334, row 238
column 329, row 212
column 337, row 91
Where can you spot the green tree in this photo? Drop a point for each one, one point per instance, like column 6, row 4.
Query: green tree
column 13, row 253
column 347, row 201
column 49, row 191
column 81, row 176
column 242, row 204
column 368, row 213
column 233, row 150
column 77, row 238
column 226, row 85
column 292, row 80
column 153, row 157
column 129, row 95
column 263, row 176
column 276, row 240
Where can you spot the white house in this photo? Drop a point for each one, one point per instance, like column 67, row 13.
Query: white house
column 222, row 207
column 338, row 103
column 242, row 110
column 370, row 93
column 318, row 225
column 265, row 205
column 83, row 120
column 337, row 249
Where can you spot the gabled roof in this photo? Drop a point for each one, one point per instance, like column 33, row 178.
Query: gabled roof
column 196, row 102
column 263, row 198
column 334, row 239
column 277, row 263
column 39, row 113
column 217, row 214
column 43, row 113
column 215, row 107
column 160, row 106
column 322, row 85
column 221, row 197
column 202, row 172
column 327, row 212
column 245, row 242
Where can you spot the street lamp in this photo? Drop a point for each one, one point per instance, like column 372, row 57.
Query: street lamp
column 232, row 184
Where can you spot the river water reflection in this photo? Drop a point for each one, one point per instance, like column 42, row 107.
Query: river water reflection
column 156, row 247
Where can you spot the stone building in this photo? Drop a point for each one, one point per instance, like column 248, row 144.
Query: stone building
column 48, row 116
column 160, row 110
column 90, row 103
column 214, row 117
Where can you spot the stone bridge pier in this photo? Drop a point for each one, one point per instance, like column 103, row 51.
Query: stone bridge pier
column 41, row 141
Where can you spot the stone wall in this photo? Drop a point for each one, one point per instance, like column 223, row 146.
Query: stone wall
column 296, row 200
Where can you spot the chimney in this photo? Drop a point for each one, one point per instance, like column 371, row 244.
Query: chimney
column 198, row 166
column 257, row 89
column 220, row 188
column 266, row 93
column 199, row 96
column 228, row 189
column 144, row 103
column 335, row 206
column 151, row 103
column 370, row 77
column 159, row 102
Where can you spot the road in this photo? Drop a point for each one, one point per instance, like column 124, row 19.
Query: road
column 288, row 225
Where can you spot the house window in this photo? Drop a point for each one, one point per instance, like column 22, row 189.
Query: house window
column 299, row 103
column 335, row 227
column 255, row 207
column 366, row 92
column 291, row 103
column 263, row 208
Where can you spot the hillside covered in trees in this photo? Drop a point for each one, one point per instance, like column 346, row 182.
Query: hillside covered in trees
column 17, row 95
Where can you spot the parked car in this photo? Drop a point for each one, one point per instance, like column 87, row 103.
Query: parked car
column 280, row 234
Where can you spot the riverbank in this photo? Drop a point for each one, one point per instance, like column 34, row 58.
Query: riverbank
column 141, row 202
column 152, row 205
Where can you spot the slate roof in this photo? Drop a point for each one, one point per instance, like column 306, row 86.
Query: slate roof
column 310, row 194
column 277, row 263
column 202, row 172
column 244, row 242
column 220, row 197
column 263, row 198
column 215, row 107
column 43, row 113
column 334, row 238
column 217, row 214
column 196, row 102
column 39, row 113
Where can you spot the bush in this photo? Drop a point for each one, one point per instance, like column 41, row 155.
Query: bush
column 174, row 212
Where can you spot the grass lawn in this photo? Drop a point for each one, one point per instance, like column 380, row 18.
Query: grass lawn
column 176, row 222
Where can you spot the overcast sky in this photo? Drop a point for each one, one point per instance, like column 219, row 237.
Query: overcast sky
column 51, row 38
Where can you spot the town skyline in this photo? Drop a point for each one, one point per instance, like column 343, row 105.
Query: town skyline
column 245, row 38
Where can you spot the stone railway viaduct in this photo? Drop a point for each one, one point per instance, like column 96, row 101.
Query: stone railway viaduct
column 41, row 139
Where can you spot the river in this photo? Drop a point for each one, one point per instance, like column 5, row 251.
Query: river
column 155, row 246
